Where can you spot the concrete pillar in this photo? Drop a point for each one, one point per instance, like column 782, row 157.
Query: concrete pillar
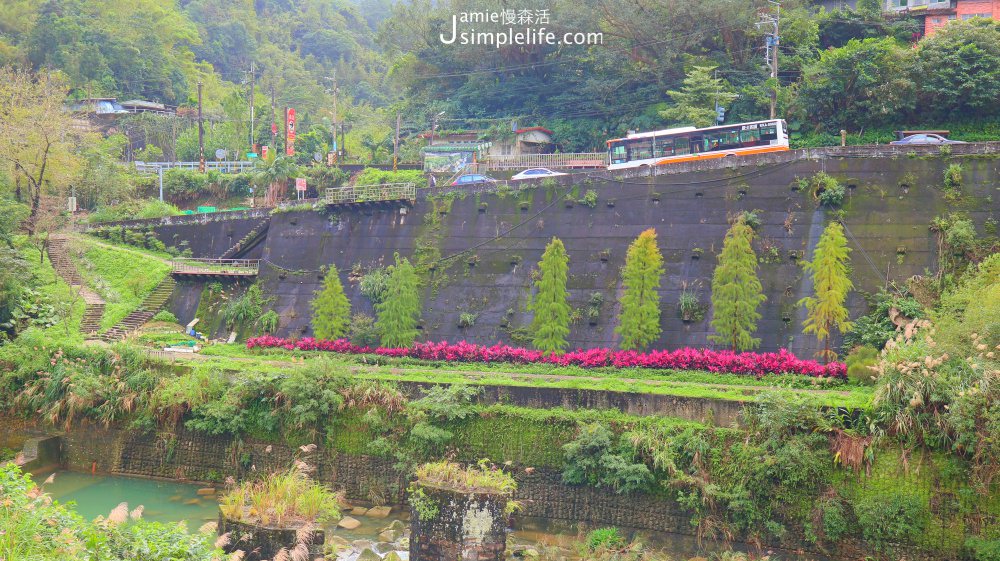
column 449, row 525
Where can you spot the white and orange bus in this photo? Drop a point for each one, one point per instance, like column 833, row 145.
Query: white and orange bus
column 687, row 144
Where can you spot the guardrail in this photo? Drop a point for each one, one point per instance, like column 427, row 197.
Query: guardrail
column 219, row 267
column 371, row 193
column 155, row 168
column 571, row 160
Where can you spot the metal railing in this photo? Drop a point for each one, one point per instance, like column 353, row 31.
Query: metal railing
column 572, row 160
column 224, row 167
column 371, row 193
column 195, row 266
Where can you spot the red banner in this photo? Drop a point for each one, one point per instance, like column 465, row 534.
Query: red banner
column 289, row 132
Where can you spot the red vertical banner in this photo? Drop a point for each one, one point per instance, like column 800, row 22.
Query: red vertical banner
column 289, row 132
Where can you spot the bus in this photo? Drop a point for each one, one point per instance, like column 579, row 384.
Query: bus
column 686, row 144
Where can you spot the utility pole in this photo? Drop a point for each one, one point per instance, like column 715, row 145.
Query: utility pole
column 274, row 124
column 395, row 144
column 434, row 126
column 252, row 80
column 201, row 135
column 772, row 40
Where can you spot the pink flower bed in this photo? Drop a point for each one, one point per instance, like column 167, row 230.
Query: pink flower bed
column 750, row 364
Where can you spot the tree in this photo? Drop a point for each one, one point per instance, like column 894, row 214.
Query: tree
column 550, row 324
column 695, row 103
column 399, row 311
column 37, row 139
column 830, row 269
column 639, row 319
column 331, row 309
column 958, row 69
column 736, row 291
column 863, row 82
column 274, row 174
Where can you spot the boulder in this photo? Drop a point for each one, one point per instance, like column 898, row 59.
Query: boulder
column 207, row 491
column 379, row 511
column 368, row 555
column 359, row 511
column 349, row 523
column 392, row 556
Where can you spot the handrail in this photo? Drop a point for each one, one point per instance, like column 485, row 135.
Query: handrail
column 224, row 167
column 215, row 266
column 371, row 193
column 566, row 160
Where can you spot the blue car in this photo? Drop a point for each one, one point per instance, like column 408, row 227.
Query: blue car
column 473, row 179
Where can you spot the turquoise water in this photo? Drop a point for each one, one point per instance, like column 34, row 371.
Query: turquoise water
column 162, row 501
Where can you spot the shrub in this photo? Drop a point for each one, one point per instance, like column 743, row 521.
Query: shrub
column 827, row 190
column 481, row 478
column 859, row 364
column 165, row 315
column 953, row 176
column 895, row 518
column 374, row 285
column 363, row 331
column 593, row 458
column 374, row 176
column 467, row 319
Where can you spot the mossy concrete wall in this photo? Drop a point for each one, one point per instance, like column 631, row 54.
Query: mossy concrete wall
column 498, row 240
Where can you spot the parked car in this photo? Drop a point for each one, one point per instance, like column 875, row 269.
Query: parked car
column 537, row 173
column 925, row 139
column 473, row 179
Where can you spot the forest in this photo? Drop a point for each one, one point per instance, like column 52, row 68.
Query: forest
column 361, row 63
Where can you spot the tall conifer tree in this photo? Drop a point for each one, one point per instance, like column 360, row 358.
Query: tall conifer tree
column 399, row 311
column 830, row 268
column 550, row 325
column 330, row 307
column 639, row 318
column 736, row 291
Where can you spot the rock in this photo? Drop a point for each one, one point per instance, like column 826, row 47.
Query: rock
column 531, row 553
column 368, row 555
column 349, row 523
column 361, row 544
column 192, row 502
column 359, row 511
column 392, row 556
column 206, row 492
column 379, row 511
column 390, row 535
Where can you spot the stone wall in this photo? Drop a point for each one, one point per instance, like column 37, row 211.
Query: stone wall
column 496, row 240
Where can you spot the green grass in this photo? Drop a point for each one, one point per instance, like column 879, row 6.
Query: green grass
column 53, row 286
column 690, row 384
column 122, row 276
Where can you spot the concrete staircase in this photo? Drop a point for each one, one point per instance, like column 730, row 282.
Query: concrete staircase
column 248, row 241
column 59, row 256
column 152, row 304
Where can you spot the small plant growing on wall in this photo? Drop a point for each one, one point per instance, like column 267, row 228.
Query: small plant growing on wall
column 689, row 306
column 589, row 198
column 953, row 176
column 826, row 190
column 467, row 319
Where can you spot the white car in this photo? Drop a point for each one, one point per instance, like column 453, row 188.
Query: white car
column 536, row 173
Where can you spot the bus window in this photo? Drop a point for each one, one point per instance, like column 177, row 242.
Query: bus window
column 618, row 154
column 682, row 146
column 696, row 144
column 663, row 147
column 769, row 132
column 640, row 149
column 750, row 137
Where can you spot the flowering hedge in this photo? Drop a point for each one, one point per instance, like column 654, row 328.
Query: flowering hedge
column 753, row 364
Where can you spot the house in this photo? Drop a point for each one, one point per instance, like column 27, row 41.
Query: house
column 937, row 13
column 530, row 140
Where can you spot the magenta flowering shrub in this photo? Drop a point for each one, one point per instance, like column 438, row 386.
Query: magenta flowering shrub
column 729, row 362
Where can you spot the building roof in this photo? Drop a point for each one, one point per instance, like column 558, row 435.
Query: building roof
column 458, row 147
column 530, row 129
